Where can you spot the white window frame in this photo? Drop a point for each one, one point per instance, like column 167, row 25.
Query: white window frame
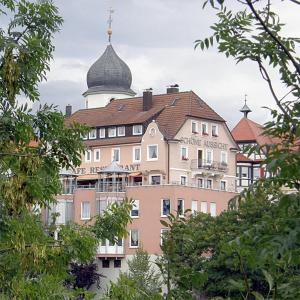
column 133, row 154
column 122, row 134
column 203, row 207
column 182, row 214
column 206, row 184
column 152, row 159
column 114, row 128
column 223, row 190
column 194, row 206
column 95, row 155
column 81, row 211
column 102, row 133
column 212, row 157
column 112, row 154
column 187, row 153
column 217, row 130
column 135, row 206
column 150, row 178
column 138, row 233
column 196, row 127
column 210, row 210
column 86, row 156
column 226, row 157
column 207, row 129
column 85, row 137
column 186, row 180
column 162, row 207
column 162, row 230
column 93, row 134
column 134, row 127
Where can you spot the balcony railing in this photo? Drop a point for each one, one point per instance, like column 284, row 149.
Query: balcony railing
column 208, row 165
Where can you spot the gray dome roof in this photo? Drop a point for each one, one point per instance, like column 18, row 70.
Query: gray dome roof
column 109, row 74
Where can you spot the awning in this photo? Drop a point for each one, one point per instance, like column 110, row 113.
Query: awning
column 88, row 177
column 135, row 174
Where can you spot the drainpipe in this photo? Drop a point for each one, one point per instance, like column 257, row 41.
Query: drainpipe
column 168, row 164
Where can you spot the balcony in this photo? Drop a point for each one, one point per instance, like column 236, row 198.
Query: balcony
column 209, row 166
column 107, row 249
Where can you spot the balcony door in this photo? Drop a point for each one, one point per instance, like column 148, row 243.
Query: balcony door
column 200, row 158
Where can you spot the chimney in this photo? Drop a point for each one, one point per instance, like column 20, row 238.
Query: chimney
column 173, row 89
column 147, row 99
column 68, row 110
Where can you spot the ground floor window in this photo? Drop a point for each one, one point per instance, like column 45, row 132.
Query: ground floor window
column 117, row 263
column 105, row 263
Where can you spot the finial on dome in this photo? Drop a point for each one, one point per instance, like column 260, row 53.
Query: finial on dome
column 110, row 19
column 245, row 109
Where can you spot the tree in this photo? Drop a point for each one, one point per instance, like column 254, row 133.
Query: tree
column 34, row 146
column 141, row 281
column 252, row 250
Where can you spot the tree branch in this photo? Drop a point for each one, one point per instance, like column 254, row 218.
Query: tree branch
column 275, row 38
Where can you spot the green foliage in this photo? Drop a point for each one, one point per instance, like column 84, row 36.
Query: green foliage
column 141, row 281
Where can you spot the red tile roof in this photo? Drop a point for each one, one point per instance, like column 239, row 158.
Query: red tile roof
column 247, row 130
column 169, row 110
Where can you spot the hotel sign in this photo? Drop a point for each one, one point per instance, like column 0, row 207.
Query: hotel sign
column 203, row 143
column 95, row 170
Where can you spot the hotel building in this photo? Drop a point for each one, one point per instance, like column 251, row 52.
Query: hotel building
column 167, row 152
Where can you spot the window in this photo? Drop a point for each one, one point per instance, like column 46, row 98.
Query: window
column 194, row 206
column 183, row 180
column 117, row 263
column 256, row 174
column 223, row 158
column 165, row 207
column 209, row 157
column 203, row 207
column 136, row 154
column 97, row 155
column 194, row 127
column 134, row 238
column 115, row 154
column 105, row 263
column 155, row 179
column 88, row 156
column 112, row 131
column 245, row 171
column 120, row 242
column 85, row 210
column 85, row 136
column 204, row 128
column 180, row 207
column 214, row 130
column 135, row 209
column 137, row 129
column 200, row 182
column 152, row 152
column 184, row 153
column 102, row 133
column 209, row 183
column 223, row 185
column 93, row 134
column 121, row 131
column 213, row 209
column 101, row 205
column 163, row 234
column 103, row 243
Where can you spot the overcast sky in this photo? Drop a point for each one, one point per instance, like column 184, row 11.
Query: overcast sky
column 156, row 39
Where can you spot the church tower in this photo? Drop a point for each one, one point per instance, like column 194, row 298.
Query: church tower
column 108, row 78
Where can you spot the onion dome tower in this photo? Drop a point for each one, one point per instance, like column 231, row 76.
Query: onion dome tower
column 108, row 78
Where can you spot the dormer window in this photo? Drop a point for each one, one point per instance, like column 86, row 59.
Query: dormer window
column 112, row 131
column 137, row 129
column 121, row 131
column 194, row 127
column 93, row 134
column 102, row 133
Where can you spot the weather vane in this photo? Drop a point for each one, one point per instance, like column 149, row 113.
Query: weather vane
column 110, row 20
column 246, row 98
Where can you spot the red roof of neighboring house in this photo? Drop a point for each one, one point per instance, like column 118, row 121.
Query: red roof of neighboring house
column 169, row 110
column 247, row 130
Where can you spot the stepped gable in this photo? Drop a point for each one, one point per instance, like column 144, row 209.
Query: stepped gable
column 169, row 110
